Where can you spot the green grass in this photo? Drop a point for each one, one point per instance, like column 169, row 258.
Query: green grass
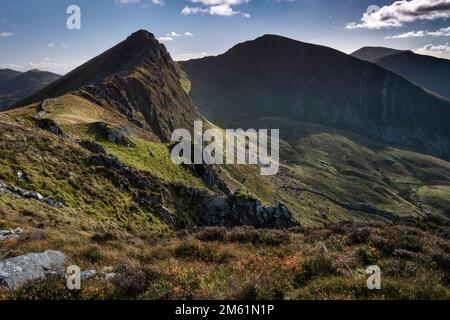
column 154, row 158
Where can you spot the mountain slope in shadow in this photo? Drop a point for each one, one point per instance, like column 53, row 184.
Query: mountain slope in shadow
column 428, row 72
column 277, row 76
column 16, row 85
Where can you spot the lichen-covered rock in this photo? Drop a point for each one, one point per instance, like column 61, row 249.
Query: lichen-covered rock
column 9, row 234
column 17, row 271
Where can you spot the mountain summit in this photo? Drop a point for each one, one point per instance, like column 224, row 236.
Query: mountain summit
column 136, row 77
column 274, row 76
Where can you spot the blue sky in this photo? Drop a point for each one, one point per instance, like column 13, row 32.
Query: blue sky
column 33, row 34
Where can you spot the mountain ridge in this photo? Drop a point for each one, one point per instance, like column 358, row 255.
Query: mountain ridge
column 15, row 85
column 136, row 77
column 426, row 71
column 278, row 76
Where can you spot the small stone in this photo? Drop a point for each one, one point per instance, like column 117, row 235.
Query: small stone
column 20, row 175
column 89, row 274
column 110, row 276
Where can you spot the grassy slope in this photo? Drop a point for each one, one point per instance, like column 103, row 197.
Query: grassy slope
column 350, row 169
column 338, row 165
column 330, row 167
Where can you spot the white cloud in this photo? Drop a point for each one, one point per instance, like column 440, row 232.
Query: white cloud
column 216, row 8
column 6, row 34
column 434, row 50
column 222, row 10
column 219, row 2
column 443, row 32
column 165, row 39
column 193, row 10
column 173, row 34
column 155, row 2
column 51, row 45
column 401, row 12
column 127, row 1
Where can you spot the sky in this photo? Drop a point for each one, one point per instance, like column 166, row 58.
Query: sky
column 34, row 33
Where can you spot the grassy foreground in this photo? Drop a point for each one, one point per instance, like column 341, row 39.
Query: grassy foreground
column 244, row 263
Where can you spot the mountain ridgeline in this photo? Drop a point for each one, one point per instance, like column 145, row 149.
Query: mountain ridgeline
column 274, row 76
column 16, row 85
column 138, row 78
column 428, row 72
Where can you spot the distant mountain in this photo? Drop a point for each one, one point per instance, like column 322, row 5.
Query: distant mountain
column 426, row 71
column 372, row 54
column 7, row 74
column 277, row 76
column 16, row 85
column 136, row 77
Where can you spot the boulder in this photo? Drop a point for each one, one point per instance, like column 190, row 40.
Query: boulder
column 119, row 136
column 17, row 271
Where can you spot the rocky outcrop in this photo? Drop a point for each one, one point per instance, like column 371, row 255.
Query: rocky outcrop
column 229, row 210
column 42, row 109
column 51, row 126
column 92, row 146
column 119, row 136
column 17, row 271
column 56, row 202
column 239, row 210
column 10, row 234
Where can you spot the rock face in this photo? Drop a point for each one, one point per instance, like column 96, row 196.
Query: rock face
column 17, row 271
column 237, row 210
